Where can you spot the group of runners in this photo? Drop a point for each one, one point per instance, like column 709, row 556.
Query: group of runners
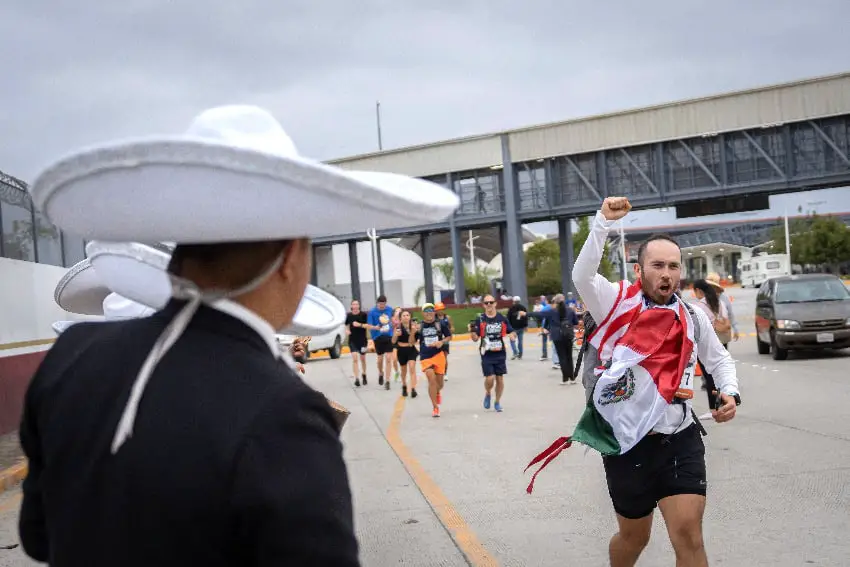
column 398, row 339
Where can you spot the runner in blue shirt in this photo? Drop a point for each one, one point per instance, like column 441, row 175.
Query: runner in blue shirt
column 490, row 329
column 381, row 330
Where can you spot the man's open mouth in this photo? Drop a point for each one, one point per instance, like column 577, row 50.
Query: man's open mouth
column 665, row 288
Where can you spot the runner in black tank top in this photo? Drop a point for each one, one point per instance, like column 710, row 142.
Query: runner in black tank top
column 404, row 339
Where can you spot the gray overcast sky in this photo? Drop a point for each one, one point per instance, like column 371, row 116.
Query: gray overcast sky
column 81, row 72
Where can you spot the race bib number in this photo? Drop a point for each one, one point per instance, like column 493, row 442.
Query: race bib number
column 686, row 387
column 492, row 346
column 385, row 328
column 430, row 340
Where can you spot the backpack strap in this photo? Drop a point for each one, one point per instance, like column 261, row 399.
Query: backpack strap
column 589, row 327
column 697, row 327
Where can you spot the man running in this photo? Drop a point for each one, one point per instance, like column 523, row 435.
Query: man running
column 443, row 317
column 433, row 335
column 639, row 414
column 491, row 328
column 380, row 327
column 356, row 323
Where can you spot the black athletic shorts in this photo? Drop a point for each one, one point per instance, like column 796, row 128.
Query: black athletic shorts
column 357, row 346
column 655, row 469
column 406, row 354
column 383, row 344
column 494, row 365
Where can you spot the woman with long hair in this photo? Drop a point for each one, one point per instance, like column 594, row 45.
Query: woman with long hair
column 395, row 322
column 404, row 338
column 709, row 301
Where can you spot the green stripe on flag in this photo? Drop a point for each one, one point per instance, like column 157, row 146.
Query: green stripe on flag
column 592, row 430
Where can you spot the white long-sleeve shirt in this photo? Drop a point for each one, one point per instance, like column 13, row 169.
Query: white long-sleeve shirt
column 599, row 296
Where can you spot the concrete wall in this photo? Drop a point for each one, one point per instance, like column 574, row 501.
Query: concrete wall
column 27, row 311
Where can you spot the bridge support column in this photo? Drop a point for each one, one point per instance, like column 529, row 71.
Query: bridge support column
column 314, row 271
column 565, row 244
column 457, row 266
column 514, row 255
column 506, row 259
column 425, row 244
column 354, row 269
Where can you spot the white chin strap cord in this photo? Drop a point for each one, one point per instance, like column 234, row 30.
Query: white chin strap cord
column 181, row 289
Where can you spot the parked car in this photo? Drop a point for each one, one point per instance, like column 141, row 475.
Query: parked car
column 331, row 342
column 802, row 312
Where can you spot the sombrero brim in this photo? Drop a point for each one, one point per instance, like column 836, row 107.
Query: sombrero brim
column 134, row 271
column 138, row 272
column 118, row 308
column 197, row 191
column 715, row 284
column 81, row 290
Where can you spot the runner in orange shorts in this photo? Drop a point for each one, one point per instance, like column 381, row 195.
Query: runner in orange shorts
column 432, row 335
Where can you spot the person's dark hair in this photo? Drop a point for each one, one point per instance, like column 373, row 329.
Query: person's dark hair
column 381, row 299
column 711, row 296
column 654, row 237
column 231, row 263
column 561, row 306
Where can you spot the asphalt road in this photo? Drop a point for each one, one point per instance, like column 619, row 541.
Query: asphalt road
column 451, row 491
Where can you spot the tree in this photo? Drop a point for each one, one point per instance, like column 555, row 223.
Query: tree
column 543, row 262
column 797, row 228
column 814, row 240
column 543, row 268
column 478, row 283
column 827, row 242
column 606, row 267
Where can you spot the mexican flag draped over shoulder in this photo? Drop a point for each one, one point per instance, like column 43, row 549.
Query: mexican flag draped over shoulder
column 649, row 349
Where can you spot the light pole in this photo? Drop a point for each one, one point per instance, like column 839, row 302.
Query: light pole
column 470, row 244
column 623, row 249
column 788, row 242
column 372, row 234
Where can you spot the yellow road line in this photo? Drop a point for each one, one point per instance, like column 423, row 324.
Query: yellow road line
column 25, row 344
column 460, row 531
column 13, row 475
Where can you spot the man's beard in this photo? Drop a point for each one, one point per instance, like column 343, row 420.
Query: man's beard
column 662, row 293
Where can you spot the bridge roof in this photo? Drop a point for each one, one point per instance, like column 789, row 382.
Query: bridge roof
column 769, row 105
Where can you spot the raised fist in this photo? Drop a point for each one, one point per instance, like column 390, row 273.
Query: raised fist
column 615, row 208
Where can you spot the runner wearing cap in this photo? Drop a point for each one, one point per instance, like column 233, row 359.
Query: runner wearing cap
column 184, row 438
column 443, row 317
column 433, row 334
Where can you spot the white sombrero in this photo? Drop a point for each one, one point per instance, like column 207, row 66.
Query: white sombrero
column 235, row 175
column 138, row 272
column 114, row 308
column 81, row 291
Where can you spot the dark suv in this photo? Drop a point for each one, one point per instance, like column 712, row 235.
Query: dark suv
column 804, row 312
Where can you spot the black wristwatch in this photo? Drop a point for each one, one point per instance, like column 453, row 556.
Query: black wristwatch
column 718, row 399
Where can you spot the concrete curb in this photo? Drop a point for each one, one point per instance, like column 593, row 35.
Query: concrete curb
column 13, row 475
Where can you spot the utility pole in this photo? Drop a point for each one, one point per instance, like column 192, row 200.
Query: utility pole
column 378, row 120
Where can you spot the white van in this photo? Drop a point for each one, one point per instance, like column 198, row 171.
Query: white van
column 758, row 269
